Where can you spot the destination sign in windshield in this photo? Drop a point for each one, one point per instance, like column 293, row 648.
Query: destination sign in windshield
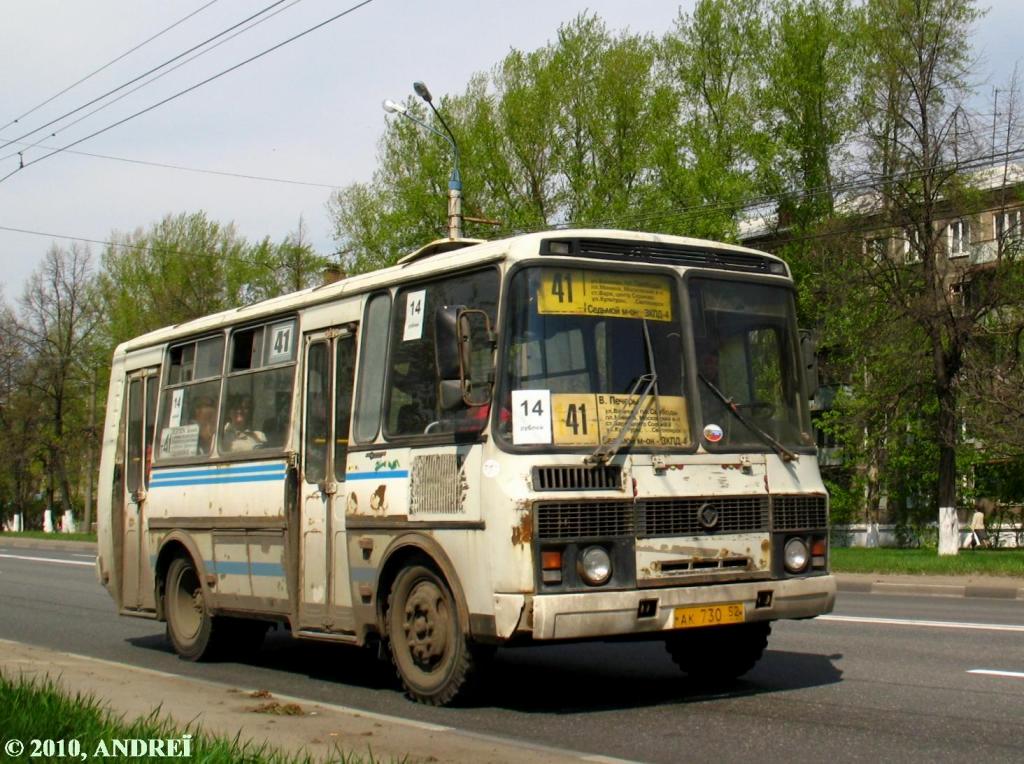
column 604, row 293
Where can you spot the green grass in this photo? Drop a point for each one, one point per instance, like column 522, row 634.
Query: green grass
column 986, row 562
column 50, row 536
column 38, row 709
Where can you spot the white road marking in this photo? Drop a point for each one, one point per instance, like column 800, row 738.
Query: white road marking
column 926, row 624
column 90, row 556
column 47, row 559
column 993, row 672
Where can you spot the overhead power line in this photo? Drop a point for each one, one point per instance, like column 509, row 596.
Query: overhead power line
column 164, row 73
column 107, row 65
column 218, row 256
column 141, row 76
column 182, row 168
column 189, row 89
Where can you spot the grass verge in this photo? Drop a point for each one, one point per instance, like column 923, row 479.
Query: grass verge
column 50, row 536
column 982, row 562
column 32, row 709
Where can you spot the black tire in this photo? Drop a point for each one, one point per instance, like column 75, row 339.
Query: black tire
column 719, row 653
column 192, row 631
column 431, row 653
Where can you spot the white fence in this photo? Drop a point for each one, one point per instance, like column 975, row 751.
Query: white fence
column 885, row 535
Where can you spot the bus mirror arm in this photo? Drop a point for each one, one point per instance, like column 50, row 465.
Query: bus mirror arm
column 453, row 337
column 809, row 357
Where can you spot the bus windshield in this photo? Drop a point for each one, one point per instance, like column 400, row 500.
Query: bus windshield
column 748, row 380
column 582, row 349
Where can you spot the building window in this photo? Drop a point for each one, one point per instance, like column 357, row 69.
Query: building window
column 877, row 248
column 958, row 296
column 1008, row 225
column 911, row 246
column 957, row 238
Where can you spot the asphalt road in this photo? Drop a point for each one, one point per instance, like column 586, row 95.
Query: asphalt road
column 886, row 677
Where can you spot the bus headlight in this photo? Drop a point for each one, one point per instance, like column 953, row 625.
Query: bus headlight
column 595, row 566
column 796, row 555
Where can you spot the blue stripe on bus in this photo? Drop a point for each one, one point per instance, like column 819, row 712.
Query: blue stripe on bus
column 219, row 469
column 216, row 480
column 244, row 568
column 213, row 476
column 383, row 475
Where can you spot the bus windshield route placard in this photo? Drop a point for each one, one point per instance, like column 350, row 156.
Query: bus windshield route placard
column 604, row 293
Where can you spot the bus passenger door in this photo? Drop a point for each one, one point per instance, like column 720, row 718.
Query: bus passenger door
column 325, row 599
column 141, row 409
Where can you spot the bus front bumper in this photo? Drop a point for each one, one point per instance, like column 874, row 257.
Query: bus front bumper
column 594, row 614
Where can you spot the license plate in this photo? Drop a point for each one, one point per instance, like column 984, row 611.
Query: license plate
column 708, row 615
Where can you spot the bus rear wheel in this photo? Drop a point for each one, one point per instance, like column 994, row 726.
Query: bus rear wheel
column 191, row 629
column 719, row 653
column 431, row 653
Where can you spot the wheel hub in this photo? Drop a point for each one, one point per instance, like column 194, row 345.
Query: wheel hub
column 426, row 625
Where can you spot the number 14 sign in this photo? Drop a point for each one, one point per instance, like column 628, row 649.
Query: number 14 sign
column 531, row 417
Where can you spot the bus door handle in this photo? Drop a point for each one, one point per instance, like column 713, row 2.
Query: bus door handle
column 138, row 497
column 327, row 487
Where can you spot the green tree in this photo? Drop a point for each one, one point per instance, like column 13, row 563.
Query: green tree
column 288, row 266
column 181, row 268
column 916, row 141
column 19, row 421
column 809, row 99
column 58, row 326
column 565, row 134
column 715, row 59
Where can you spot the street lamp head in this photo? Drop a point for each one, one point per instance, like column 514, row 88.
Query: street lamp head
column 422, row 91
column 393, row 108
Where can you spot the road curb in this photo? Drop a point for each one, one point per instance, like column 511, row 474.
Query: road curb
column 876, row 585
column 27, row 543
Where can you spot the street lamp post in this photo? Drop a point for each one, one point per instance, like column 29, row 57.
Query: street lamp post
column 455, row 181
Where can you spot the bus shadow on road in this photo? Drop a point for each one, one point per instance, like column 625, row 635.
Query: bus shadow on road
column 343, row 664
column 569, row 678
column 601, row 677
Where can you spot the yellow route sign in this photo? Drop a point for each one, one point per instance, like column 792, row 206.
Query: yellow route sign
column 604, row 293
column 590, row 419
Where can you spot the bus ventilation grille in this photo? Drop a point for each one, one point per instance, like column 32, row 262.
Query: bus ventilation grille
column 583, row 519
column 672, row 254
column 699, row 516
column 794, row 513
column 602, row 478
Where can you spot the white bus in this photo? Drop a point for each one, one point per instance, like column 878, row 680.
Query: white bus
column 570, row 435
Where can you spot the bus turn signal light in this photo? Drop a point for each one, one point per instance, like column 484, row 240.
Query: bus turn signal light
column 551, row 559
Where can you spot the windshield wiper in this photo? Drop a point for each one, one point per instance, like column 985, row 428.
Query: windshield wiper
column 603, row 453
column 784, row 453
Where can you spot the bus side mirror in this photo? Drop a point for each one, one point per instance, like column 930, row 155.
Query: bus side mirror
column 809, row 357
column 461, row 333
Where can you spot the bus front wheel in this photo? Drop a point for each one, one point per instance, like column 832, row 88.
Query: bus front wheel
column 190, row 627
column 431, row 653
column 719, row 653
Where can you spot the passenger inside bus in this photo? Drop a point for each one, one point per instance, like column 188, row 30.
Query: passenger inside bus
column 204, row 414
column 238, row 432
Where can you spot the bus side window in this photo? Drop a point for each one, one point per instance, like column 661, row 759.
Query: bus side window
column 191, row 397
column 371, row 376
column 411, row 405
column 344, row 379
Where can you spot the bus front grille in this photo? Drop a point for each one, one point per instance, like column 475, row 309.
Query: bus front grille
column 572, row 478
column 793, row 513
column 583, row 519
column 698, row 516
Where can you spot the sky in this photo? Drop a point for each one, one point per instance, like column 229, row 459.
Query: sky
column 309, row 112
